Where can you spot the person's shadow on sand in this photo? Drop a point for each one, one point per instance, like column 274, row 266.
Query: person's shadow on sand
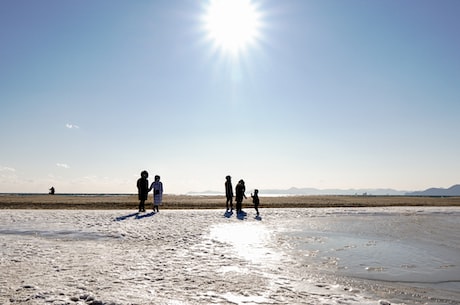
column 135, row 215
column 121, row 218
column 258, row 217
column 145, row 215
column 241, row 215
column 228, row 214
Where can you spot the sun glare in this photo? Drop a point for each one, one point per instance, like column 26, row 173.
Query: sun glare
column 232, row 25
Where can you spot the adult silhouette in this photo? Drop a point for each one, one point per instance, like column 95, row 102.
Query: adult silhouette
column 229, row 193
column 143, row 190
column 239, row 195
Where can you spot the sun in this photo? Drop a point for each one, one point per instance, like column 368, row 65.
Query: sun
column 232, row 25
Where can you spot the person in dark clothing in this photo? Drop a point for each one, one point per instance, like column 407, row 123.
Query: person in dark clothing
column 143, row 190
column 51, row 192
column 255, row 200
column 229, row 193
column 239, row 195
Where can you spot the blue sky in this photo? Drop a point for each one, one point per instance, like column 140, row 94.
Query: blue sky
column 329, row 94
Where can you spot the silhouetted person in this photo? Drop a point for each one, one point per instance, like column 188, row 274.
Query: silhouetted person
column 255, row 200
column 239, row 195
column 229, row 193
column 143, row 190
column 51, row 191
column 157, row 187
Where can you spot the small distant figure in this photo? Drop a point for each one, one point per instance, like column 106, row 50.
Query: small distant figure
column 229, row 193
column 157, row 187
column 239, row 195
column 51, row 191
column 143, row 190
column 255, row 200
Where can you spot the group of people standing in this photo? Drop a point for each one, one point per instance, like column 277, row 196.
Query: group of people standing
column 157, row 187
column 143, row 189
column 240, row 190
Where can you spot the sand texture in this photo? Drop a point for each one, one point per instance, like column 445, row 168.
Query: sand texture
column 117, row 257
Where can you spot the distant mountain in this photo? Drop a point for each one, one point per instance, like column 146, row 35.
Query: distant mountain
column 314, row 191
column 451, row 191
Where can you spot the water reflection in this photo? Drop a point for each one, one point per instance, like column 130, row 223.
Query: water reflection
column 418, row 247
column 249, row 240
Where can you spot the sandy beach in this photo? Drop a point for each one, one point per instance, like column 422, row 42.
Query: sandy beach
column 207, row 256
column 102, row 201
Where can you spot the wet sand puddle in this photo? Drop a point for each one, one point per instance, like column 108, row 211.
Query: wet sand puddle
column 407, row 255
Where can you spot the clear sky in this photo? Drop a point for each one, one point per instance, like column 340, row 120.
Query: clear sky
column 297, row 93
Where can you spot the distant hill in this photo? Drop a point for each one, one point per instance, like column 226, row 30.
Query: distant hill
column 451, row 191
column 314, row 191
column 307, row 191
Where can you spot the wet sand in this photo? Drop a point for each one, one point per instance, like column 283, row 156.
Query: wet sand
column 117, row 257
column 95, row 249
column 129, row 201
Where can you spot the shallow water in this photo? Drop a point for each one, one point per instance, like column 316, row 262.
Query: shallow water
column 413, row 247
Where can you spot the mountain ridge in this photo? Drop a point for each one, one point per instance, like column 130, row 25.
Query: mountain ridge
column 451, row 191
column 454, row 190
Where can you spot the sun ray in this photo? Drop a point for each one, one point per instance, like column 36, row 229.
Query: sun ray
column 232, row 25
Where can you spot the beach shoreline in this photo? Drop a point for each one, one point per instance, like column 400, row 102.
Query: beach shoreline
column 130, row 201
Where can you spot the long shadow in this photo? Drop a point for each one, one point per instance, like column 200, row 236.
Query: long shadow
column 121, row 218
column 145, row 215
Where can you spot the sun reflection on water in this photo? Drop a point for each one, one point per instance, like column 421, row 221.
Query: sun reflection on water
column 249, row 240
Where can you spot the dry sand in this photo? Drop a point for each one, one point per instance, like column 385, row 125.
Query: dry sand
column 129, row 201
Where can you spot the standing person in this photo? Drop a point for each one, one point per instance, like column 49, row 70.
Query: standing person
column 143, row 190
column 255, row 200
column 239, row 195
column 229, row 193
column 157, row 187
